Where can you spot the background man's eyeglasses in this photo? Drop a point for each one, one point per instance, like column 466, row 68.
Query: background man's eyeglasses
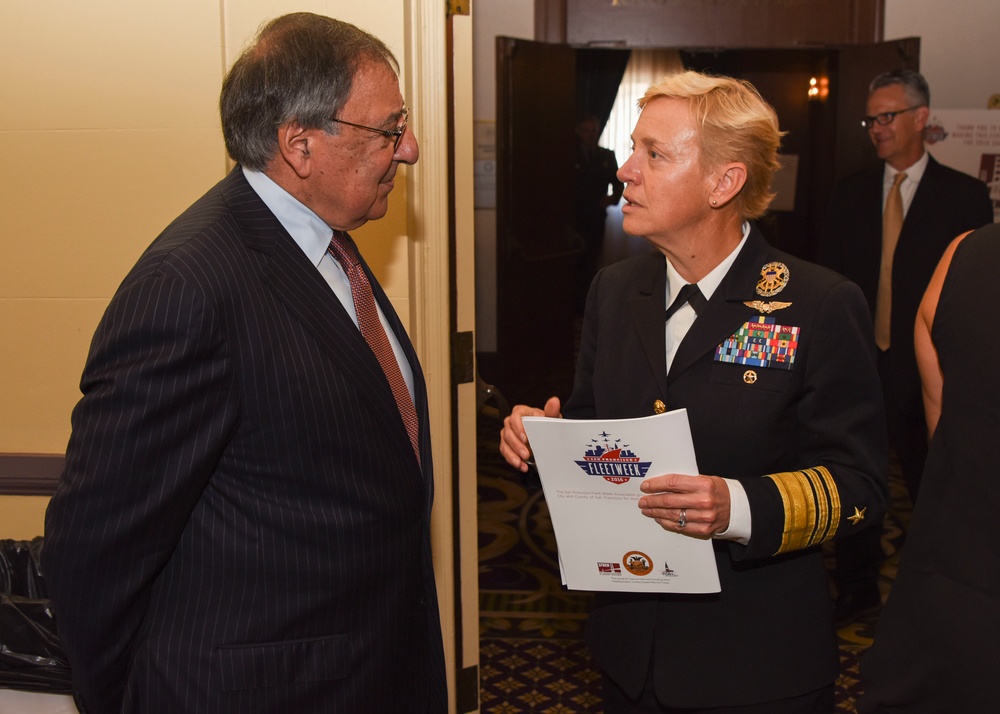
column 395, row 135
column 885, row 117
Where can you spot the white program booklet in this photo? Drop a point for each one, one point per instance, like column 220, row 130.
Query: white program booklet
column 590, row 472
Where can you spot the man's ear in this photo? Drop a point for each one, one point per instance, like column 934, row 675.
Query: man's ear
column 294, row 145
column 729, row 181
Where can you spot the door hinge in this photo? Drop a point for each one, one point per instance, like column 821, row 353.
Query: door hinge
column 467, row 689
column 458, row 7
column 463, row 358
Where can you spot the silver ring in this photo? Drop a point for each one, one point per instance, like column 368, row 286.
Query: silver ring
column 683, row 519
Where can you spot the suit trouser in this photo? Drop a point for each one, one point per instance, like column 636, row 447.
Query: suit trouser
column 907, row 427
column 615, row 702
column 859, row 557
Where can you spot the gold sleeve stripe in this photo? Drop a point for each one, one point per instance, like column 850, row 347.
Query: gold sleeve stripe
column 812, row 507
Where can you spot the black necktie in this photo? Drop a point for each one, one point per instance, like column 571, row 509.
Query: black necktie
column 689, row 293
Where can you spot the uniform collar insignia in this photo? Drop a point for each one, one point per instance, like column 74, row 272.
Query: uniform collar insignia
column 773, row 279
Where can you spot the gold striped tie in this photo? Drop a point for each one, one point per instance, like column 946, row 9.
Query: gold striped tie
column 892, row 223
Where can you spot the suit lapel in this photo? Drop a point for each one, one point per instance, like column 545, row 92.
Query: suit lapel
column 297, row 284
column 926, row 199
column 725, row 312
column 647, row 309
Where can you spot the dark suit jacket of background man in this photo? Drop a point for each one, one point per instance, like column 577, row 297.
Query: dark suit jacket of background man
column 267, row 548
column 946, row 203
column 769, row 633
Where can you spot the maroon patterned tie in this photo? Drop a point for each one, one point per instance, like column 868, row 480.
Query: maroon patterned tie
column 342, row 248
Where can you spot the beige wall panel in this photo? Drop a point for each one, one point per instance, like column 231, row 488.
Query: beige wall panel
column 88, row 203
column 382, row 18
column 45, row 345
column 109, row 64
column 385, row 245
column 22, row 517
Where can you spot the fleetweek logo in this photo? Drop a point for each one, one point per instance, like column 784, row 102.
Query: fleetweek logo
column 612, row 460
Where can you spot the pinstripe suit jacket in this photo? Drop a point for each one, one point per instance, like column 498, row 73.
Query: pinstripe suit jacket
column 818, row 427
column 242, row 525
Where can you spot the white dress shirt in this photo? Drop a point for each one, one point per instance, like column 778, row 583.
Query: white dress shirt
column 677, row 326
column 908, row 188
column 313, row 235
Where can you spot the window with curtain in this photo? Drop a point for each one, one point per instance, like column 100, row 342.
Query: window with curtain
column 644, row 68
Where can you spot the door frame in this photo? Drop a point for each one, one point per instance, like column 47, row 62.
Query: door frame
column 442, row 296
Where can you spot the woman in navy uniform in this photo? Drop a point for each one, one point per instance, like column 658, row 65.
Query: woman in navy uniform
column 774, row 361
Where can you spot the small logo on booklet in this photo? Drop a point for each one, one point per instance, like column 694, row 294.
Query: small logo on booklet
column 637, row 563
column 612, row 460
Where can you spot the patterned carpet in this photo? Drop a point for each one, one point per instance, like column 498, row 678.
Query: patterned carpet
column 532, row 655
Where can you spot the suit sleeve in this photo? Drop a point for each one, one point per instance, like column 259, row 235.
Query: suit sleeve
column 980, row 211
column 841, row 484
column 156, row 411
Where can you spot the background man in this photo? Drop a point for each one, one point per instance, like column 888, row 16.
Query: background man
column 889, row 242
column 242, row 525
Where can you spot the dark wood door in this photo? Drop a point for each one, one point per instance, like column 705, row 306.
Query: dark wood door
column 538, row 253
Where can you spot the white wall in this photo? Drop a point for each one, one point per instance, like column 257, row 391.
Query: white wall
column 958, row 47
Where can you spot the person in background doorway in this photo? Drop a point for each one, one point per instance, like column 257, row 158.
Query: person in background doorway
column 596, row 188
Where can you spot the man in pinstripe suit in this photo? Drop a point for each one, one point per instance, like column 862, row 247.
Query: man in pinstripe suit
column 242, row 525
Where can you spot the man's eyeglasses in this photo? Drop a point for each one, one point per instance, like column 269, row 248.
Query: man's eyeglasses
column 885, row 118
column 395, row 135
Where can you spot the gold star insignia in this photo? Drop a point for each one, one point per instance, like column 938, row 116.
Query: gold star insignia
column 858, row 516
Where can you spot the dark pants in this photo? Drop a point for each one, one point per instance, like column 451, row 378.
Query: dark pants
column 615, row 702
column 859, row 557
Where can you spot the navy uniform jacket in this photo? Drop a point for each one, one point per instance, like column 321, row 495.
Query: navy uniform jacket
column 242, row 525
column 807, row 443
column 946, row 204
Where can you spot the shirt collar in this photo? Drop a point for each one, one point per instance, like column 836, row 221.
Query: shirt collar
column 913, row 173
column 708, row 284
column 307, row 229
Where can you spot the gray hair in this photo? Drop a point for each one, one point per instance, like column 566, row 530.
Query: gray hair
column 300, row 66
column 913, row 83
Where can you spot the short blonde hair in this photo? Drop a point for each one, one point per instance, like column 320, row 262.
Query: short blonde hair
column 736, row 124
